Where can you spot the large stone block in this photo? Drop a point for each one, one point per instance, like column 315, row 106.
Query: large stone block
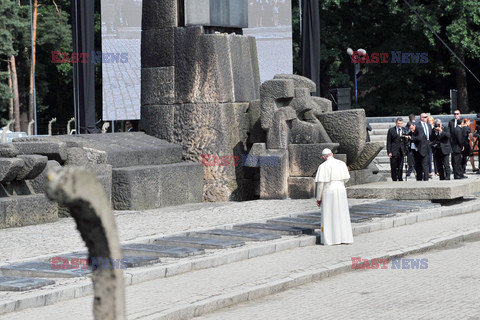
column 26, row 210
column 10, row 168
column 77, row 157
column 255, row 68
column 367, row 155
column 126, row 149
column 299, row 81
column 246, row 78
column 8, row 150
column 274, row 94
column 301, row 187
column 54, row 150
column 214, row 129
column 34, row 165
column 158, row 14
column 148, row 187
column 322, row 105
column 274, row 180
column 255, row 131
column 158, row 48
column 303, row 132
column 415, row 190
column 305, row 158
column 279, row 134
column 347, row 128
column 158, row 85
column 203, row 67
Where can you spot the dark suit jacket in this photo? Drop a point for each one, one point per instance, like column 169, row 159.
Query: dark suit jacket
column 420, row 140
column 451, row 124
column 443, row 141
column 456, row 139
column 395, row 144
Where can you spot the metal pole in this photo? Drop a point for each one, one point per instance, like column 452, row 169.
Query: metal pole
column 356, row 92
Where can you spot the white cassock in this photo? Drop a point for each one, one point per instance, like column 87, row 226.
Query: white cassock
column 330, row 181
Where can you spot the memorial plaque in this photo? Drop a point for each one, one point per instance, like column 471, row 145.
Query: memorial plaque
column 195, row 242
column 272, row 228
column 41, row 269
column 141, row 249
column 296, row 222
column 22, row 284
column 236, row 235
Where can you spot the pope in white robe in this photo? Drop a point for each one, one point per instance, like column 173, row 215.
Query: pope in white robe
column 331, row 195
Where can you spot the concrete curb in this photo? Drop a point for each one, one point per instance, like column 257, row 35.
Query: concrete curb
column 189, row 311
column 139, row 275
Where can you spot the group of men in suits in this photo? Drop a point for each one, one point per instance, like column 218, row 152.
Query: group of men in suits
column 421, row 138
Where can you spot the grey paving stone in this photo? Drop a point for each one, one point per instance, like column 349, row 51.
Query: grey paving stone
column 271, row 228
column 195, row 242
column 142, row 249
column 41, row 269
column 236, row 235
column 22, row 284
column 296, row 222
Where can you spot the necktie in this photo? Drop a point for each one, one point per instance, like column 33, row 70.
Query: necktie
column 398, row 131
column 426, row 130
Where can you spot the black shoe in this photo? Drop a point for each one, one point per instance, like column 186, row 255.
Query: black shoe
column 464, row 177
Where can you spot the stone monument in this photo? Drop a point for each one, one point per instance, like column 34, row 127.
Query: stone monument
column 201, row 89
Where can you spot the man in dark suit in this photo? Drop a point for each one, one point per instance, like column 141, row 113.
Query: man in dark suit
column 396, row 149
column 440, row 143
column 456, row 141
column 419, row 145
column 410, row 160
column 452, row 124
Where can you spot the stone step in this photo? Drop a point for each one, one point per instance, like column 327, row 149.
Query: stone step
column 272, row 228
column 379, row 132
column 148, row 187
column 378, row 138
column 237, row 235
column 195, row 242
column 383, row 160
column 296, row 222
column 142, row 249
column 382, row 125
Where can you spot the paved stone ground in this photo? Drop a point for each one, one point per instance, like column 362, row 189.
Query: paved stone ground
column 448, row 289
column 149, row 299
column 58, row 237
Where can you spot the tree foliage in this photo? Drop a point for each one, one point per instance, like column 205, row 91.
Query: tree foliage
column 386, row 26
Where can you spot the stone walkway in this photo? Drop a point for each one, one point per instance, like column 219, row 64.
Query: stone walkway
column 448, row 289
column 201, row 291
